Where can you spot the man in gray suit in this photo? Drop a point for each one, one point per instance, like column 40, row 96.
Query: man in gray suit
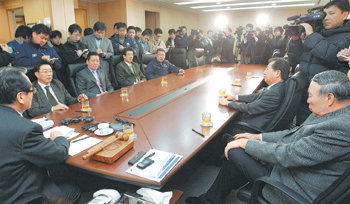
column 127, row 71
column 100, row 44
column 307, row 158
column 92, row 80
column 258, row 109
column 51, row 95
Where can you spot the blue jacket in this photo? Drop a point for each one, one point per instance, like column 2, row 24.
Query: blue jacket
column 155, row 69
column 14, row 45
column 29, row 53
column 128, row 42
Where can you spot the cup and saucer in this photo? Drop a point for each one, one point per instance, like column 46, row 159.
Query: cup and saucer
column 103, row 129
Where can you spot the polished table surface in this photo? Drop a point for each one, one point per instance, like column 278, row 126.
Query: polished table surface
column 169, row 125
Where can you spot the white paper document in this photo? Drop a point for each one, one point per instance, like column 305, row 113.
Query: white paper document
column 163, row 163
column 67, row 131
column 82, row 144
column 44, row 122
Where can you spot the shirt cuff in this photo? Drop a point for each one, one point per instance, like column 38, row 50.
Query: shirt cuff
column 237, row 98
column 260, row 136
column 52, row 109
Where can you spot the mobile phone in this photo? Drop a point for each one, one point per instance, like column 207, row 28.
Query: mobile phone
column 345, row 57
column 53, row 59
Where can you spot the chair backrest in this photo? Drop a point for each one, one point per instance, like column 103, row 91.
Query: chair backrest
column 147, row 58
column 177, row 56
column 73, row 69
column 294, row 88
column 113, row 61
column 338, row 192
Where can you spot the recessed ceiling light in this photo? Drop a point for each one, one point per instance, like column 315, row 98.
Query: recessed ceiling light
column 273, row 4
column 247, row 3
column 258, row 7
column 228, row 7
column 218, row 3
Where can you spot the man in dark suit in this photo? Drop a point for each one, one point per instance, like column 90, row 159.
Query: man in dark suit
column 25, row 152
column 127, row 71
column 51, row 94
column 307, row 158
column 92, row 80
column 259, row 108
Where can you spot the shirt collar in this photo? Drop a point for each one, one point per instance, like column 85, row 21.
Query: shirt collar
column 43, row 85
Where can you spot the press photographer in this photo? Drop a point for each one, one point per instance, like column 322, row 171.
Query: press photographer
column 295, row 46
column 321, row 47
column 248, row 46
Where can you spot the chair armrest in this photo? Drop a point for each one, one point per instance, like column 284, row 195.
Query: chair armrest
column 260, row 182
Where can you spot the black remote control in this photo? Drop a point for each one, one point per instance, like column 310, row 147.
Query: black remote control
column 123, row 121
column 136, row 158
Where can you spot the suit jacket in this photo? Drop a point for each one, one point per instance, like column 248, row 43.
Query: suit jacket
column 40, row 103
column 124, row 75
column 24, row 154
column 260, row 108
column 308, row 158
column 86, row 82
column 106, row 46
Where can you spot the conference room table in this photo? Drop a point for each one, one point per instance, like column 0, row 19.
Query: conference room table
column 164, row 116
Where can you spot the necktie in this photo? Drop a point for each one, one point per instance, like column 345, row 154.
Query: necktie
column 132, row 70
column 50, row 97
column 98, row 82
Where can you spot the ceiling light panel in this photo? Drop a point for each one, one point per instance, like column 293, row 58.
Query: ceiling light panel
column 259, row 7
column 248, row 3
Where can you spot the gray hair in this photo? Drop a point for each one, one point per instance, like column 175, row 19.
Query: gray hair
column 21, row 69
column 334, row 82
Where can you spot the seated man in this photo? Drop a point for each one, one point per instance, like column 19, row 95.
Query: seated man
column 160, row 66
column 92, row 80
column 259, row 108
column 50, row 93
column 145, row 44
column 37, row 48
column 100, row 44
column 308, row 158
column 120, row 40
column 156, row 42
column 5, row 57
column 25, row 152
column 127, row 71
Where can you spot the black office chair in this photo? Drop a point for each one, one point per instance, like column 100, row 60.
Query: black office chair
column 200, row 56
column 294, row 88
column 73, row 69
column 177, row 56
column 146, row 58
column 113, row 61
column 337, row 193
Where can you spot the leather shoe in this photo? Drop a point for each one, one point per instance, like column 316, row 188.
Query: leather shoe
column 193, row 200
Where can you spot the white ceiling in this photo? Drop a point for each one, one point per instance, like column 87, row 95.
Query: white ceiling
column 234, row 5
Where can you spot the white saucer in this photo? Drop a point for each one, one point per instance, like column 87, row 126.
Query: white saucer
column 206, row 124
column 88, row 110
column 110, row 131
column 124, row 95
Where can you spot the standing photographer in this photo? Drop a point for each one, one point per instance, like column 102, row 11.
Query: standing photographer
column 294, row 49
column 320, row 49
column 248, row 45
column 278, row 43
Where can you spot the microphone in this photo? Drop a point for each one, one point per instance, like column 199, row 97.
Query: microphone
column 292, row 18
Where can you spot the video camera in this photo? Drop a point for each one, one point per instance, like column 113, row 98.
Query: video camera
column 195, row 33
column 314, row 17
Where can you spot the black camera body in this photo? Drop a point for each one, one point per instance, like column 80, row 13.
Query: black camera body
column 314, row 17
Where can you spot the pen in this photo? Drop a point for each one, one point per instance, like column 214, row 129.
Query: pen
column 83, row 138
column 198, row 132
column 236, row 85
column 149, row 156
column 81, row 111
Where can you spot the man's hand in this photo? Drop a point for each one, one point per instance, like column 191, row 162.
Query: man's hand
column 247, row 136
column 60, row 107
column 98, row 50
column 82, row 97
column 46, row 57
column 55, row 134
column 230, row 97
column 5, row 48
column 241, row 143
column 344, row 55
column 223, row 101
column 79, row 52
column 308, row 28
column 121, row 47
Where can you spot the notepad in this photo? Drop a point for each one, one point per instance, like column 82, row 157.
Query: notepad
column 82, row 145
column 66, row 131
column 163, row 163
column 44, row 122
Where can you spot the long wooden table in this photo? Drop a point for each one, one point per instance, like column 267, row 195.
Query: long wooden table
column 168, row 126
